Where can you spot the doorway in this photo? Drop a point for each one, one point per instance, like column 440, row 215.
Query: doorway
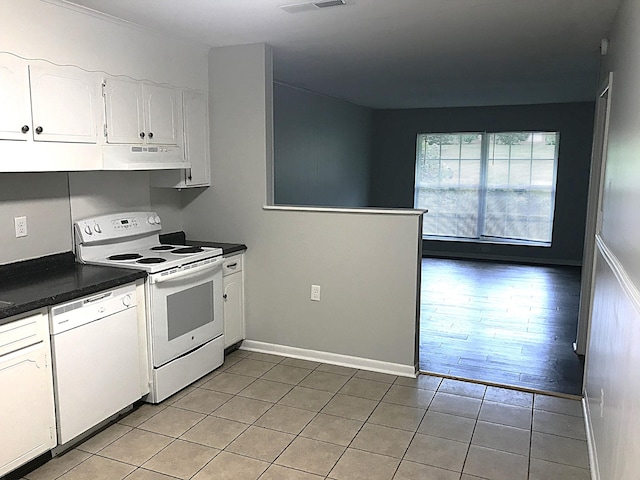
column 501, row 323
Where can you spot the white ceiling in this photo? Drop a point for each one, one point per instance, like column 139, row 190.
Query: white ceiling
column 405, row 53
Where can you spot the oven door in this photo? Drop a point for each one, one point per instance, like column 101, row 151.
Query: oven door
column 185, row 309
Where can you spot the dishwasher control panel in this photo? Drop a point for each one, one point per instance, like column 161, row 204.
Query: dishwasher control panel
column 87, row 309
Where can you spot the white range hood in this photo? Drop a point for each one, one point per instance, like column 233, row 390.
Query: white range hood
column 143, row 157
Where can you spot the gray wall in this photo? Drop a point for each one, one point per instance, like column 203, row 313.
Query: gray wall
column 612, row 385
column 322, row 149
column 393, row 168
column 44, row 199
column 365, row 262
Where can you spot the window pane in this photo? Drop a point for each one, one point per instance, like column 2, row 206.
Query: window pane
column 510, row 192
column 447, row 183
column 520, row 185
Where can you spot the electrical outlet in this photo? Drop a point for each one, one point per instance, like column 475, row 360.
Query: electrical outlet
column 315, row 293
column 20, row 224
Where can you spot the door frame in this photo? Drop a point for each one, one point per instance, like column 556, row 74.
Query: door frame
column 594, row 212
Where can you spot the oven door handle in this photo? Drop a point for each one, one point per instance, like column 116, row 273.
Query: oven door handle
column 186, row 272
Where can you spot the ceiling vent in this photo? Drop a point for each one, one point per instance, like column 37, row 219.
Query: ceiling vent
column 329, row 3
column 309, row 6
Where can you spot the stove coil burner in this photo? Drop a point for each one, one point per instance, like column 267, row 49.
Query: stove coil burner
column 152, row 260
column 163, row 247
column 187, row 250
column 125, row 256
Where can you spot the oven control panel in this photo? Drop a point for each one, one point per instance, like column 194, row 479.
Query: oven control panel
column 114, row 226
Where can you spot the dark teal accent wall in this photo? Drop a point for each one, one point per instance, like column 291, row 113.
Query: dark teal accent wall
column 393, row 168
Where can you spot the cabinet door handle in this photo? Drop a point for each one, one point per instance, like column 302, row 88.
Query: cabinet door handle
column 232, row 265
column 25, row 128
column 150, row 134
column 224, row 296
column 141, row 134
column 38, row 130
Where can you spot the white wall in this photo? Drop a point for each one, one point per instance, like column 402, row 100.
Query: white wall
column 366, row 263
column 63, row 34
column 612, row 384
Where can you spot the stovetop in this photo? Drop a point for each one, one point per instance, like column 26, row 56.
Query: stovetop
column 154, row 258
column 131, row 240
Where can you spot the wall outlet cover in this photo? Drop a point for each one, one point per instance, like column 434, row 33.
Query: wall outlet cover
column 315, row 293
column 20, row 224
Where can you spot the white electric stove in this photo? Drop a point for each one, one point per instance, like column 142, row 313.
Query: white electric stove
column 183, row 294
column 131, row 240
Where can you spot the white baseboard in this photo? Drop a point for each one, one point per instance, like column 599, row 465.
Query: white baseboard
column 591, row 443
column 331, row 358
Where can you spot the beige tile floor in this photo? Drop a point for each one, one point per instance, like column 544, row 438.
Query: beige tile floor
column 275, row 418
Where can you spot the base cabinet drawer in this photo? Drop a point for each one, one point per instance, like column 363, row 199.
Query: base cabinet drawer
column 27, row 414
column 233, row 284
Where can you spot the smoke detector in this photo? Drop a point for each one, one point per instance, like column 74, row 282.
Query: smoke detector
column 310, row 6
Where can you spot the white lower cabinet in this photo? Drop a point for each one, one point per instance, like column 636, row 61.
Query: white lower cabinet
column 233, row 284
column 27, row 413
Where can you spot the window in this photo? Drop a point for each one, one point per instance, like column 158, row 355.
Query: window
column 487, row 186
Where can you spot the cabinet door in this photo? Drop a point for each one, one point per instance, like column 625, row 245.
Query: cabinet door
column 26, row 407
column 123, row 110
column 233, row 309
column 65, row 104
column 196, row 138
column 162, row 114
column 15, row 113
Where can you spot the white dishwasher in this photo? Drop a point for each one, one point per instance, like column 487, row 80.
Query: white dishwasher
column 96, row 367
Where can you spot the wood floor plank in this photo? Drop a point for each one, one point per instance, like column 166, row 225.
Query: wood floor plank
column 501, row 323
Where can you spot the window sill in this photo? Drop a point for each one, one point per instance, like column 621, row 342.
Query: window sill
column 492, row 241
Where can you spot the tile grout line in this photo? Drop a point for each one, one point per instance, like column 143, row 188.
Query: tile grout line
column 475, row 425
column 353, row 375
column 298, row 434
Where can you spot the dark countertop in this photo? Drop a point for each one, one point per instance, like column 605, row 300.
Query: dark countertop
column 33, row 284
column 179, row 238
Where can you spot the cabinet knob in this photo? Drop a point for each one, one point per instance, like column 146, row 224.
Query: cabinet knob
column 38, row 130
column 150, row 134
column 224, row 296
column 25, row 128
column 141, row 134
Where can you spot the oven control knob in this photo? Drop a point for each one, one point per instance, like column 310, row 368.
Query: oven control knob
column 97, row 228
column 156, row 219
column 151, row 220
column 126, row 300
column 87, row 229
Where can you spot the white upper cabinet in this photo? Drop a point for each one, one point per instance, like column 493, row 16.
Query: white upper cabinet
column 141, row 113
column 163, row 119
column 65, row 118
column 196, row 146
column 47, row 103
column 65, row 103
column 196, row 138
column 15, row 114
column 123, row 110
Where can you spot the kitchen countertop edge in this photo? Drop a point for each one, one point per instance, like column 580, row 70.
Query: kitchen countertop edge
column 180, row 238
column 60, row 279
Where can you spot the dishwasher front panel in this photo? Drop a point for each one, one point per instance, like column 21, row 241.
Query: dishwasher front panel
column 96, row 372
